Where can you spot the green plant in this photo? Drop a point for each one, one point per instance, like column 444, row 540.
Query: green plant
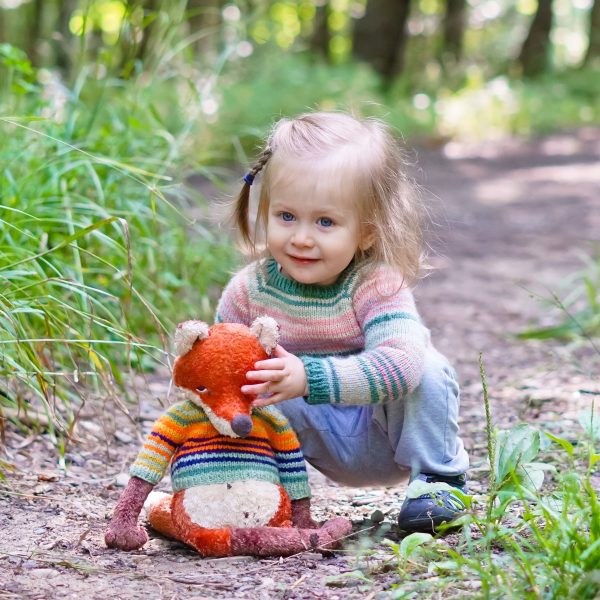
column 100, row 252
column 524, row 539
column 579, row 312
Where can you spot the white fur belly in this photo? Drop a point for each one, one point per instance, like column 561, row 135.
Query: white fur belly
column 237, row 504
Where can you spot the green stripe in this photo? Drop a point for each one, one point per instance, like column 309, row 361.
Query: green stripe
column 372, row 387
column 269, row 420
column 400, row 377
column 386, row 318
column 385, row 359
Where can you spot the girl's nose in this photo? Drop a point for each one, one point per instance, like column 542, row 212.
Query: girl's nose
column 301, row 237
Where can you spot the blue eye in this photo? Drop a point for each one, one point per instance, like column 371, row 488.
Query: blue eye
column 286, row 216
column 325, row 222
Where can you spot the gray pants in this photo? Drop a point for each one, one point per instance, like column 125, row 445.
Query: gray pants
column 382, row 444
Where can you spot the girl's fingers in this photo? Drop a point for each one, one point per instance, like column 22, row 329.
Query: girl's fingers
column 255, row 390
column 265, row 375
column 273, row 399
column 281, row 351
column 270, row 363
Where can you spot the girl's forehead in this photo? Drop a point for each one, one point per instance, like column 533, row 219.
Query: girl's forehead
column 321, row 182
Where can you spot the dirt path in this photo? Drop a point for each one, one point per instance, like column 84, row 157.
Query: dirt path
column 513, row 219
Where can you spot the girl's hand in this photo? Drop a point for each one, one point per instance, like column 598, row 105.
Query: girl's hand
column 282, row 377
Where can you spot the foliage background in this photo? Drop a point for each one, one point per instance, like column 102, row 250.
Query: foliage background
column 117, row 115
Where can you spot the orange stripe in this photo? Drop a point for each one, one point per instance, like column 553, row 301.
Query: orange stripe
column 166, row 453
column 224, row 449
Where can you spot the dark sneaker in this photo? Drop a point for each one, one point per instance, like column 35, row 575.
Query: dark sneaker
column 427, row 512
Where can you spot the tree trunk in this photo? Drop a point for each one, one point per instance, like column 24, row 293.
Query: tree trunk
column 380, row 36
column 534, row 52
column 151, row 9
column 204, row 20
column 35, row 27
column 593, row 49
column 454, row 28
column 321, row 36
column 62, row 37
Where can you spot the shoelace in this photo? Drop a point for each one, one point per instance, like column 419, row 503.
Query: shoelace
column 447, row 498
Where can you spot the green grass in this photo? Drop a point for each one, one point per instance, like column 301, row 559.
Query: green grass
column 535, row 533
column 577, row 315
column 99, row 253
column 102, row 249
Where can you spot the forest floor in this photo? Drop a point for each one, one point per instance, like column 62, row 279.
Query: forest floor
column 513, row 220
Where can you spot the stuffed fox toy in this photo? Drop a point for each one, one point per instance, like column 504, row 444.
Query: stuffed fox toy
column 238, row 474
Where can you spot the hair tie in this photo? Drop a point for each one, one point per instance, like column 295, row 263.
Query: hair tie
column 249, row 178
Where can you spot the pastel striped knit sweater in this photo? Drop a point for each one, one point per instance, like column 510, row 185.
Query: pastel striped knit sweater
column 200, row 455
column 361, row 339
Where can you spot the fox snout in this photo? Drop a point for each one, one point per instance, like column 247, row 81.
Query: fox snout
column 241, row 425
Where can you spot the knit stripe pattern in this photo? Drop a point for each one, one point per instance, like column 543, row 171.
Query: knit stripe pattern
column 361, row 339
column 199, row 455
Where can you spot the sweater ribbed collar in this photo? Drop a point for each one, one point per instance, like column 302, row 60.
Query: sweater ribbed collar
column 276, row 279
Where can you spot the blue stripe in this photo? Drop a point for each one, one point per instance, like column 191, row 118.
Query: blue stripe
column 164, row 438
column 223, row 460
column 293, row 469
column 286, row 461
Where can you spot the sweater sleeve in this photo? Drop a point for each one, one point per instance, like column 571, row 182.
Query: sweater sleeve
column 395, row 341
column 233, row 305
column 288, row 454
column 168, row 433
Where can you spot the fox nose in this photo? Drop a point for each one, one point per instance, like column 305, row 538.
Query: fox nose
column 241, row 425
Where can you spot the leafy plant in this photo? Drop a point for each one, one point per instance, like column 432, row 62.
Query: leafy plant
column 579, row 313
column 100, row 252
column 530, row 536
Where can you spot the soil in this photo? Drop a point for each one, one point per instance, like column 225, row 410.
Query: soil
column 513, row 221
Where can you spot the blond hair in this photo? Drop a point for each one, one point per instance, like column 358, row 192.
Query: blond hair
column 364, row 156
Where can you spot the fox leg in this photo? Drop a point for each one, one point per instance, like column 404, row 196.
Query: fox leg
column 281, row 541
column 160, row 515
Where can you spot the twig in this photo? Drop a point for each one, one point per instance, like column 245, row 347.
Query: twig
column 491, row 444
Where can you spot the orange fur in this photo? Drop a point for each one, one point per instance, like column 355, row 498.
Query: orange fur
column 208, row 542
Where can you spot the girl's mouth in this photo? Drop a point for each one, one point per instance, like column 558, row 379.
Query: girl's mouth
column 304, row 261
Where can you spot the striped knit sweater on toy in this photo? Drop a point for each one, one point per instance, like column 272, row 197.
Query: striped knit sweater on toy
column 238, row 475
column 361, row 339
column 200, row 455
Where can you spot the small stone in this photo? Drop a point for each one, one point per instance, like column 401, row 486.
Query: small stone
column 40, row 530
column 229, row 559
column 48, row 573
column 122, row 479
column 30, row 564
column 377, row 516
column 123, row 437
column 312, row 556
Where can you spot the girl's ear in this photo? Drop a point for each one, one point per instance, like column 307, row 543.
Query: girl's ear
column 187, row 333
column 367, row 238
column 266, row 330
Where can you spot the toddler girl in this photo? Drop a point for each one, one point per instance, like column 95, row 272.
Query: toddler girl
column 338, row 228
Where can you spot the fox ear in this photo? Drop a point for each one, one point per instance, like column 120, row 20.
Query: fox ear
column 187, row 333
column 266, row 330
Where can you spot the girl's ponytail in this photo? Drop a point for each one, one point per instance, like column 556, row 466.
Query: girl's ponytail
column 242, row 204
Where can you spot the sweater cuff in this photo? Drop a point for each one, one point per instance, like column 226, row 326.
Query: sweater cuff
column 318, row 384
column 297, row 490
column 145, row 473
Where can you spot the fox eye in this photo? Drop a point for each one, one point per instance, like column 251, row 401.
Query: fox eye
column 201, row 389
